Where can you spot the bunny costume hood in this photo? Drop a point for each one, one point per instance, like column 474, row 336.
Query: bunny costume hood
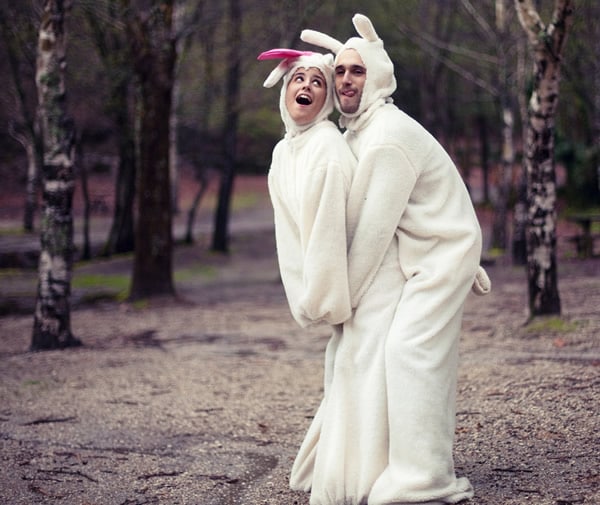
column 293, row 60
column 380, row 82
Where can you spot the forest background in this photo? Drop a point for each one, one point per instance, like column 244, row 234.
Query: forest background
column 463, row 69
column 449, row 56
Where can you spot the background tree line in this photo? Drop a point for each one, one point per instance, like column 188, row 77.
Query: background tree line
column 136, row 66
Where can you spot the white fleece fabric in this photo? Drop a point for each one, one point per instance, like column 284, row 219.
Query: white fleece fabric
column 384, row 431
column 309, row 183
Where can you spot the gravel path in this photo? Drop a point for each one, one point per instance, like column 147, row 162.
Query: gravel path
column 205, row 400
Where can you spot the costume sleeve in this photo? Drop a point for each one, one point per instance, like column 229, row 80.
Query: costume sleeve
column 379, row 195
column 323, row 240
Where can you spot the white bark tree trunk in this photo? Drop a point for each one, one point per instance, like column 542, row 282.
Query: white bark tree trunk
column 52, row 319
column 547, row 44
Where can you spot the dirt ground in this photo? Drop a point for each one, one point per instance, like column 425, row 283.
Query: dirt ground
column 204, row 400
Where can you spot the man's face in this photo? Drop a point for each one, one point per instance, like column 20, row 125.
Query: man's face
column 350, row 77
column 305, row 95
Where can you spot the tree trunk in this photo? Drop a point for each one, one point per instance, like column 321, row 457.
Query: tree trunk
column 27, row 133
column 519, row 241
column 500, row 233
column 191, row 216
column 31, row 186
column 86, row 253
column 153, row 49
column 112, row 47
column 500, row 227
column 121, row 236
column 178, row 18
column 484, row 150
column 547, row 44
column 30, row 141
column 174, row 147
column 221, row 234
column 52, row 318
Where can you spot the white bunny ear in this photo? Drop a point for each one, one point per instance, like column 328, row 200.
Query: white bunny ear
column 364, row 27
column 277, row 73
column 321, row 40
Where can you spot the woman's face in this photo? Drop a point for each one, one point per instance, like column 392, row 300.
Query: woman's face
column 305, row 95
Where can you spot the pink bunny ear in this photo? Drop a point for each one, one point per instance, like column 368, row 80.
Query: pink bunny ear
column 272, row 54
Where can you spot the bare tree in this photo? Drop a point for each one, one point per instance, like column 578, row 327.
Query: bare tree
column 106, row 28
column 150, row 34
column 519, row 238
column 19, row 37
column 52, row 319
column 506, row 98
column 221, row 234
column 547, row 43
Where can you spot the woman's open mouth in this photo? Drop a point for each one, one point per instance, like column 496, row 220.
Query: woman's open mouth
column 303, row 99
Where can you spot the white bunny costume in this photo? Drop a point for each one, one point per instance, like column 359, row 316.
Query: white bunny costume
column 384, row 432
column 309, row 181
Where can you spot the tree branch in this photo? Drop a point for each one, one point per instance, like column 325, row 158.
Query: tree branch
column 530, row 20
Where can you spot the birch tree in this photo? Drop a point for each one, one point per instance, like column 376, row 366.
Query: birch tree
column 52, row 318
column 547, row 43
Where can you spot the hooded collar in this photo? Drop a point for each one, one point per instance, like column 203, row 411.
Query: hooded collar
column 293, row 60
column 325, row 64
column 380, row 82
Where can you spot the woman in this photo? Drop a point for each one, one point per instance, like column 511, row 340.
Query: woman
column 309, row 181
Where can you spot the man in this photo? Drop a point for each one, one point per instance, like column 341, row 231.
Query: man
column 385, row 429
